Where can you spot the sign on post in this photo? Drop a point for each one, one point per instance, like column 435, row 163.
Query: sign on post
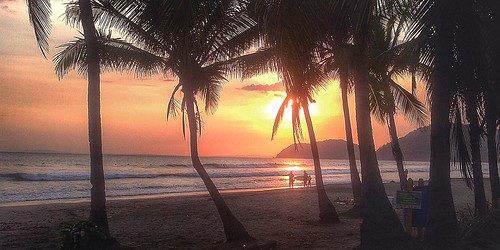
column 409, row 199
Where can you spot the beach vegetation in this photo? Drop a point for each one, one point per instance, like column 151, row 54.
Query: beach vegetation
column 457, row 43
column 367, row 44
column 84, row 235
column 338, row 61
column 380, row 222
column 192, row 40
column 39, row 14
column 292, row 31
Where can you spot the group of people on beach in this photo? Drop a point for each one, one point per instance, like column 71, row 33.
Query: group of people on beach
column 306, row 179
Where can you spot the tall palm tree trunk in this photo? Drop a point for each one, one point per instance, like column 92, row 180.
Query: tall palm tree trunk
column 442, row 228
column 327, row 212
column 234, row 230
column 98, row 213
column 396, row 150
column 397, row 153
column 492, row 150
column 477, row 169
column 380, row 220
column 355, row 180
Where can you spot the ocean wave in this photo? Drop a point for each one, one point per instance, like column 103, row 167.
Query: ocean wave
column 83, row 176
column 221, row 171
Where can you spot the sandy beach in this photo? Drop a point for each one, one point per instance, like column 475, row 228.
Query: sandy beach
column 287, row 216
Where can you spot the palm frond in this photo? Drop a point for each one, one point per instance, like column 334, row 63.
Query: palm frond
column 114, row 54
column 259, row 62
column 409, row 105
column 460, row 144
column 173, row 107
column 197, row 117
column 279, row 116
column 39, row 15
column 296, row 124
column 378, row 104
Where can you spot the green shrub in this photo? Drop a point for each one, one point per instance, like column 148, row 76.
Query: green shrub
column 82, row 235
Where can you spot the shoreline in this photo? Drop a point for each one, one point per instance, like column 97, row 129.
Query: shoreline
column 166, row 195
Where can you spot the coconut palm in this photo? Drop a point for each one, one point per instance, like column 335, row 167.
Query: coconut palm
column 489, row 33
column 491, row 135
column 191, row 39
column 338, row 60
column 450, row 41
column 380, row 222
column 39, row 12
column 292, row 30
column 390, row 58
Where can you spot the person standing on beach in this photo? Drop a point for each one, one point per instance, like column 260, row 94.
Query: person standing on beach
column 291, row 179
column 305, row 178
column 309, row 181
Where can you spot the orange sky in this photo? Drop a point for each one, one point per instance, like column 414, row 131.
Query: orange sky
column 39, row 112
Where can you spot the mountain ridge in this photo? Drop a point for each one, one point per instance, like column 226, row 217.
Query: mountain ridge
column 414, row 145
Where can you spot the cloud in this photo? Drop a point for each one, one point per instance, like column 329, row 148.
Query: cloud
column 7, row 9
column 263, row 87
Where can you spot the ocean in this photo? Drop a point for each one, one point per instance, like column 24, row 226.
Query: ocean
column 38, row 177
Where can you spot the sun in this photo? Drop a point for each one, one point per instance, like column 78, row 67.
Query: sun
column 273, row 107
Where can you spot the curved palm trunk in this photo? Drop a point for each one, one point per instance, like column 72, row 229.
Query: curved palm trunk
column 380, row 220
column 234, row 230
column 442, row 228
column 98, row 213
column 397, row 153
column 396, row 150
column 355, row 180
column 492, row 151
column 327, row 212
column 477, row 169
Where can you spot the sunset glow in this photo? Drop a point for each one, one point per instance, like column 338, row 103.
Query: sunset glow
column 38, row 112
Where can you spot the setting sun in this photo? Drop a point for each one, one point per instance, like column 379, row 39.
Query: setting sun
column 274, row 106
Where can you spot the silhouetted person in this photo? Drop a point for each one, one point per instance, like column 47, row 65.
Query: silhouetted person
column 291, row 179
column 305, row 178
column 309, row 181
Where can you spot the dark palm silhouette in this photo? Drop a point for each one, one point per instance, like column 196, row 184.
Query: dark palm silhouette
column 289, row 29
column 39, row 12
column 380, row 222
column 453, row 42
column 388, row 58
column 191, row 39
column 338, row 59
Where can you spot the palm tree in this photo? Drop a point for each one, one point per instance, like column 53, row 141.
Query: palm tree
column 191, row 39
column 338, row 59
column 441, row 228
column 491, row 135
column 380, row 222
column 450, row 41
column 291, row 29
column 490, row 34
column 389, row 58
column 39, row 12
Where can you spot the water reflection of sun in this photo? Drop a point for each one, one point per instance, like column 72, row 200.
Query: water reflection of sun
column 293, row 168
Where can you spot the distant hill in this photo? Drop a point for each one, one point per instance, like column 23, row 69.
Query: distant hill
column 416, row 146
column 328, row 149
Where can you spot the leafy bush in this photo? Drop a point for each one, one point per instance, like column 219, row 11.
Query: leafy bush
column 483, row 233
column 83, row 235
